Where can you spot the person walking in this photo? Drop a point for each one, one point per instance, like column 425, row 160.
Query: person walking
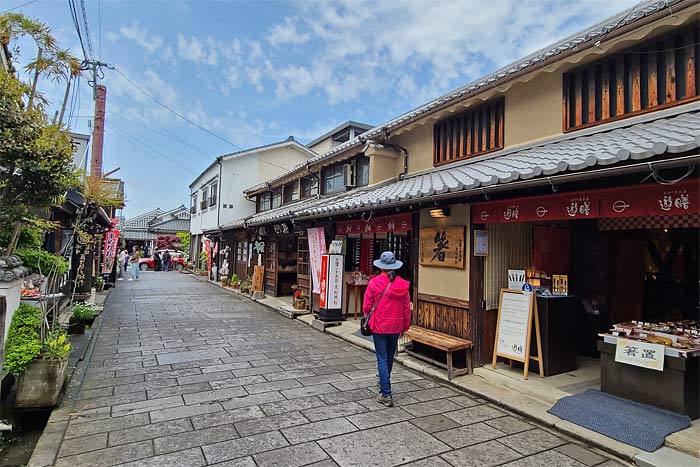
column 157, row 261
column 166, row 261
column 121, row 265
column 134, row 261
column 388, row 295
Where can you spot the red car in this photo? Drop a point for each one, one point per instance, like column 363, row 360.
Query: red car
column 177, row 261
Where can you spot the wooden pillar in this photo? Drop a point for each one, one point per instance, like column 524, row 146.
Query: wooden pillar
column 476, row 299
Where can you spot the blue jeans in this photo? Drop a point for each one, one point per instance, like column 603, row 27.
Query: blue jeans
column 134, row 271
column 165, row 265
column 385, row 349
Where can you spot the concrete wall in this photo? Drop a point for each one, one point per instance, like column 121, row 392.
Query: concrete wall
column 447, row 282
column 419, row 144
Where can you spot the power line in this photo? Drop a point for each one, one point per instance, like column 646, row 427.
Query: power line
column 20, row 6
column 87, row 31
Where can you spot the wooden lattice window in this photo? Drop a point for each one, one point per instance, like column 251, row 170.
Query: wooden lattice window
column 658, row 74
column 472, row 133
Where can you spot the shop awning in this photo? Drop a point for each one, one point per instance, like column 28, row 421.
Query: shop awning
column 638, row 138
column 634, row 201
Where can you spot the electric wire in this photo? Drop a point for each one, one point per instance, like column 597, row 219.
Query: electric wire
column 19, row 6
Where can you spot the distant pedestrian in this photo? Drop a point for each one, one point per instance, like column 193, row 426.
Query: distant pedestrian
column 134, row 262
column 157, row 260
column 388, row 295
column 121, row 264
column 166, row 260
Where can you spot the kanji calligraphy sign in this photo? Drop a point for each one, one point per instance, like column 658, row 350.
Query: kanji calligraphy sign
column 442, row 246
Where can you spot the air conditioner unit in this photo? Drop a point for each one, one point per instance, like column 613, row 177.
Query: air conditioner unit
column 348, row 175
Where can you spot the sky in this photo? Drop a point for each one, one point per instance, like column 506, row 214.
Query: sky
column 256, row 72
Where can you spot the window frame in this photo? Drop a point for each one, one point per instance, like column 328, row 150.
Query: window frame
column 313, row 185
column 357, row 163
column 193, row 203
column 339, row 174
column 205, row 194
column 277, row 198
column 213, row 193
column 263, row 198
column 296, row 189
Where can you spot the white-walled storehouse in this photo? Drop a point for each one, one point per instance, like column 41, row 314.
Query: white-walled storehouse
column 216, row 195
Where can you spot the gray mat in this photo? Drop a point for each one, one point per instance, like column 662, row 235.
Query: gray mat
column 639, row 425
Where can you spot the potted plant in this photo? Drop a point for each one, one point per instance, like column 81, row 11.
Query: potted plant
column 299, row 299
column 99, row 284
column 234, row 281
column 224, row 281
column 40, row 366
column 81, row 313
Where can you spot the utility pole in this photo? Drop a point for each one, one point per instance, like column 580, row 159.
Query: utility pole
column 98, row 130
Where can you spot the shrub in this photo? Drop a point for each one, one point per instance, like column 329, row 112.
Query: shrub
column 23, row 342
column 99, row 281
column 83, row 311
column 42, row 261
column 56, row 346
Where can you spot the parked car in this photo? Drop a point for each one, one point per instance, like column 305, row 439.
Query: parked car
column 177, row 260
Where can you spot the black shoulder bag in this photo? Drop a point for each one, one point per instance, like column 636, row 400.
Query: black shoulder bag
column 364, row 322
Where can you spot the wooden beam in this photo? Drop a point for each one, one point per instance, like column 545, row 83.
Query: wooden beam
column 578, row 93
column 591, row 94
column 462, row 136
column 484, row 129
column 670, row 71
column 469, row 122
column 652, row 80
column 501, row 120
column 455, row 138
column 492, row 127
column 436, row 143
column 443, row 141
column 439, row 299
column 689, row 64
column 565, row 103
column 620, row 85
column 605, row 91
column 635, row 82
column 475, row 323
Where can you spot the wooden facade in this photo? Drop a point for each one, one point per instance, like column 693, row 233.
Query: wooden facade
column 658, row 74
column 442, row 314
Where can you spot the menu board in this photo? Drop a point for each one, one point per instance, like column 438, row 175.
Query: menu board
column 512, row 333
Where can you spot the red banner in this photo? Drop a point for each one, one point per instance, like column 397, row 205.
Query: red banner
column 394, row 223
column 642, row 200
column 109, row 250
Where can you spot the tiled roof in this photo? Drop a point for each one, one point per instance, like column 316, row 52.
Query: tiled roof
column 172, row 225
column 587, row 36
column 138, row 235
column 638, row 141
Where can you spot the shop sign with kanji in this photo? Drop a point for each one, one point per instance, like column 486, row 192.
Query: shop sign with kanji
column 640, row 353
column 383, row 224
column 442, row 246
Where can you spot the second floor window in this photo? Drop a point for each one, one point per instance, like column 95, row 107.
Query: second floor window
column 658, row 74
column 193, row 205
column 475, row 132
column 309, row 187
column 212, row 197
column 264, row 201
column 362, row 171
column 277, row 198
column 205, row 196
column 332, row 178
column 291, row 191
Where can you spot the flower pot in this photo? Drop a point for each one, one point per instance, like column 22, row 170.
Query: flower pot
column 41, row 384
column 300, row 304
column 76, row 326
column 99, row 287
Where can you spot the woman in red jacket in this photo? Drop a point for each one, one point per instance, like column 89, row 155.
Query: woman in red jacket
column 391, row 318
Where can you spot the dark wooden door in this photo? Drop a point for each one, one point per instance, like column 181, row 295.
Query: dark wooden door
column 241, row 265
column 271, row 267
column 303, row 268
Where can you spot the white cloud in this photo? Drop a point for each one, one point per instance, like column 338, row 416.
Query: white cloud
column 202, row 52
column 255, row 77
column 287, row 33
column 292, row 81
column 152, row 43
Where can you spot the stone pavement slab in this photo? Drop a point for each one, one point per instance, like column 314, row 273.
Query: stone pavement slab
column 214, row 379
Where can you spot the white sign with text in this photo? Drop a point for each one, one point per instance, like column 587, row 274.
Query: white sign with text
column 639, row 353
column 513, row 325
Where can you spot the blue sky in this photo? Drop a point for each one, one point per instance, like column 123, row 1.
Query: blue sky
column 255, row 72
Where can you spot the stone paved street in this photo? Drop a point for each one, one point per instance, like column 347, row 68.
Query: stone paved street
column 186, row 374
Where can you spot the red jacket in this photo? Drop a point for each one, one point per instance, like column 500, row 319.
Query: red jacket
column 393, row 314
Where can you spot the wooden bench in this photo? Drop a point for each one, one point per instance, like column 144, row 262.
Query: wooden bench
column 443, row 342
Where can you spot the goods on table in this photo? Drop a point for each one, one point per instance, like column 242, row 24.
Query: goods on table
column 679, row 335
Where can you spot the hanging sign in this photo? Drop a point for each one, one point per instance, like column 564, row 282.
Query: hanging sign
column 516, row 310
column 317, row 248
column 395, row 223
column 442, row 246
column 640, row 353
column 640, row 200
column 109, row 251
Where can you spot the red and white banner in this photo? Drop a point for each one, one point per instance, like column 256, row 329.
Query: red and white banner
column 317, row 248
column 640, row 200
column 109, row 250
column 395, row 223
column 331, row 290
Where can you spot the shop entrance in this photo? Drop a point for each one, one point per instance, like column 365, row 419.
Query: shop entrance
column 280, row 266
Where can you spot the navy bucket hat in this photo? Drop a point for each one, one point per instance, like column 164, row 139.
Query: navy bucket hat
column 387, row 261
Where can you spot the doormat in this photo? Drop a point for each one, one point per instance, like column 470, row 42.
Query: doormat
column 639, row 425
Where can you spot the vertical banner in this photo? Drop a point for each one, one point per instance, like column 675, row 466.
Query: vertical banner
column 207, row 249
column 334, row 281
column 109, row 251
column 317, row 248
column 323, row 279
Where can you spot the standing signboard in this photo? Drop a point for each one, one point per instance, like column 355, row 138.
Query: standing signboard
column 514, row 328
column 317, row 248
column 331, row 288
